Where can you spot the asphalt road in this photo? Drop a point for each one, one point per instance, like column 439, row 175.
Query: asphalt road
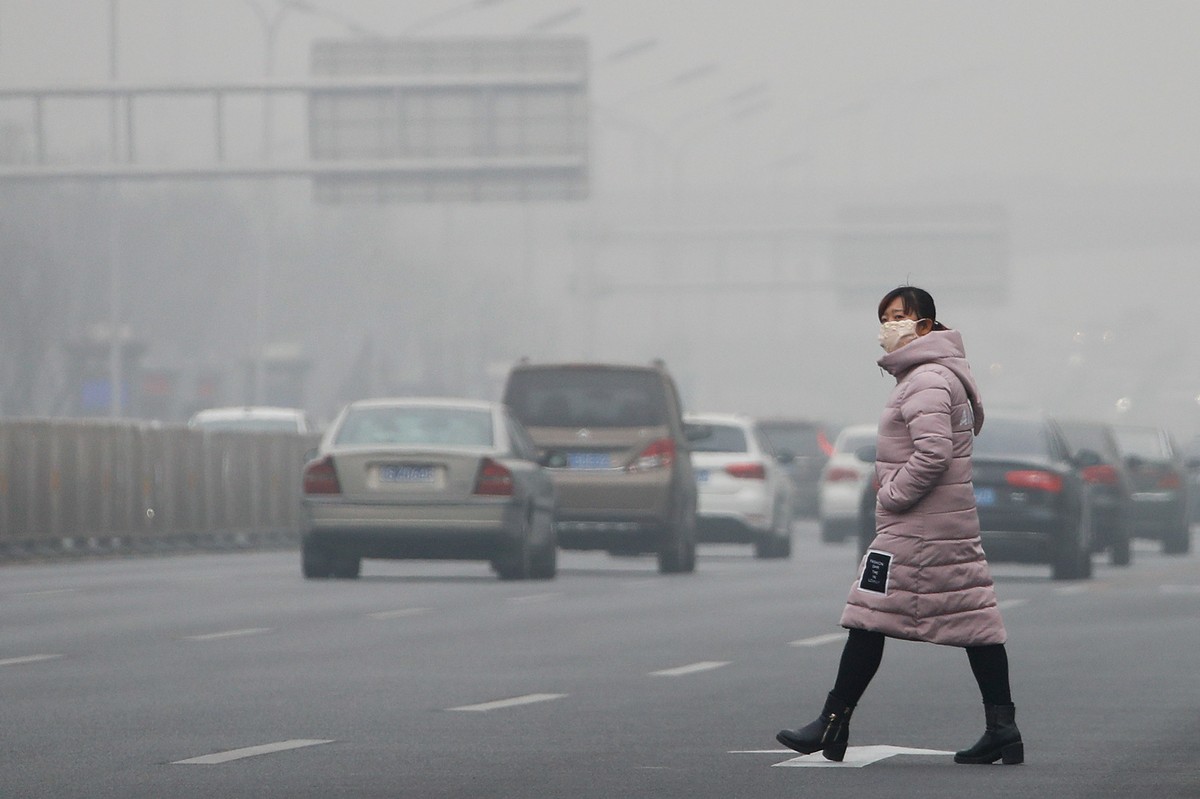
column 230, row 676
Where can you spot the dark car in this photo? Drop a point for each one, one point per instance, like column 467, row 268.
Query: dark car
column 1109, row 487
column 1160, row 486
column 1030, row 494
column 617, row 446
column 809, row 444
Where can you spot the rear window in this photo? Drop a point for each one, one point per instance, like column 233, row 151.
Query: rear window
column 724, row 438
column 852, row 442
column 452, row 427
column 248, row 425
column 586, row 398
column 1146, row 443
column 793, row 438
column 1088, row 436
column 1005, row 438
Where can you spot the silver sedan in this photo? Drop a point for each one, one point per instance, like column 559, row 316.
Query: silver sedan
column 428, row 478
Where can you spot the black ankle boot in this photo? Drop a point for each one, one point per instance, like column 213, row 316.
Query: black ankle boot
column 1001, row 740
column 829, row 732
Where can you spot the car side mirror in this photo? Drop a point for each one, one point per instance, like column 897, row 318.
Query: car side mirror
column 697, row 432
column 553, row 459
column 866, row 454
column 785, row 456
column 1086, row 458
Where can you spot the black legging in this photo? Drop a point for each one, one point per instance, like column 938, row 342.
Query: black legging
column 864, row 651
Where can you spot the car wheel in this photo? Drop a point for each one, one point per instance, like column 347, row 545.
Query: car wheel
column 1178, row 542
column 1071, row 561
column 346, row 567
column 315, row 563
column 545, row 559
column 778, row 542
column 518, row 564
column 678, row 553
column 1120, row 553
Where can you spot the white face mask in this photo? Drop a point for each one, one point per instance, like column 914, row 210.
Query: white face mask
column 894, row 335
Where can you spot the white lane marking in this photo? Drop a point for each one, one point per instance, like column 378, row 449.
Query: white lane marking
column 1005, row 604
column 18, row 661
column 1179, row 589
column 691, row 668
column 399, row 613
column 819, row 640
column 1071, row 590
column 516, row 701
column 530, row 598
column 227, row 634
column 760, row 751
column 48, row 592
column 856, row 757
column 249, row 751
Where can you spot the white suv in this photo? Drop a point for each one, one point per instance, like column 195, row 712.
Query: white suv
column 744, row 491
column 843, row 481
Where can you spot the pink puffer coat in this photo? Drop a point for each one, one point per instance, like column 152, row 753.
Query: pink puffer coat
column 924, row 577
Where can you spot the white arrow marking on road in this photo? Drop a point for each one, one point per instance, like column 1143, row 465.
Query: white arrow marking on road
column 856, row 757
column 516, row 701
column 691, row 668
column 227, row 634
column 819, row 640
column 27, row 659
column 399, row 613
column 249, row 751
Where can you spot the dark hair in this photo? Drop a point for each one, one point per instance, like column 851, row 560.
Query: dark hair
column 916, row 301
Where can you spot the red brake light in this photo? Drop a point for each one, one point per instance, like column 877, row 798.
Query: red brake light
column 1101, row 474
column 824, row 443
column 494, row 479
column 657, row 455
column 1035, row 479
column 321, row 478
column 747, row 471
column 1169, row 481
column 837, row 474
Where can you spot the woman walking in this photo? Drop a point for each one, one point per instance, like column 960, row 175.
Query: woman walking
column 924, row 577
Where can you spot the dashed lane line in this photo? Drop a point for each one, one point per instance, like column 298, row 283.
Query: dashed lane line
column 19, row 661
column 1006, row 604
column 819, row 640
column 398, row 613
column 529, row 599
column 501, row 704
column 691, row 668
column 1072, row 590
column 227, row 634
column 1179, row 589
column 249, row 751
column 48, row 592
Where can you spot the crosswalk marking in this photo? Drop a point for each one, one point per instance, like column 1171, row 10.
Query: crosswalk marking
column 249, row 751
column 691, row 668
column 856, row 757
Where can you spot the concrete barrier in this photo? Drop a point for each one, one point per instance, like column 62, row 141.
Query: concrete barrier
column 70, row 486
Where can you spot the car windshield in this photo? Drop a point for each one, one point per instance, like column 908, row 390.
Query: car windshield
column 1007, row 438
column 1142, row 442
column 724, row 438
column 248, row 425
column 852, row 442
column 586, row 398
column 421, row 426
column 796, row 439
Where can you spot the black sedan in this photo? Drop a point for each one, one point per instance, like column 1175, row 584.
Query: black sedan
column 1030, row 494
column 1109, row 485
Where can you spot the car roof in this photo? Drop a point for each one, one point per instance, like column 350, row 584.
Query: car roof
column 245, row 412
column 739, row 419
column 585, row 365
column 427, row 402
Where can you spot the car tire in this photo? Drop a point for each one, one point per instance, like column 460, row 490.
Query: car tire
column 678, row 552
column 545, row 558
column 346, row 567
column 1120, row 552
column 777, row 543
column 1178, row 541
column 518, row 563
column 315, row 563
column 1071, row 561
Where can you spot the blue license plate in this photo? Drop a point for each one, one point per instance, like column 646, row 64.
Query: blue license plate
column 985, row 497
column 702, row 475
column 401, row 473
column 589, row 460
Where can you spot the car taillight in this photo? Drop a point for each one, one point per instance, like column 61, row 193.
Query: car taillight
column 838, row 474
column 1169, row 481
column 321, row 478
column 1101, row 474
column 659, row 454
column 747, row 471
column 824, row 443
column 1035, row 479
column 494, row 480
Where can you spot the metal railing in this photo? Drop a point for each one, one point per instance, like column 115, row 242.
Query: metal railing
column 69, row 486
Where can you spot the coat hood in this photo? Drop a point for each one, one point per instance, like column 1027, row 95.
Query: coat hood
column 941, row 347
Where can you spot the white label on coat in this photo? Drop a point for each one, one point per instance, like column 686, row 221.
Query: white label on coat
column 876, row 572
